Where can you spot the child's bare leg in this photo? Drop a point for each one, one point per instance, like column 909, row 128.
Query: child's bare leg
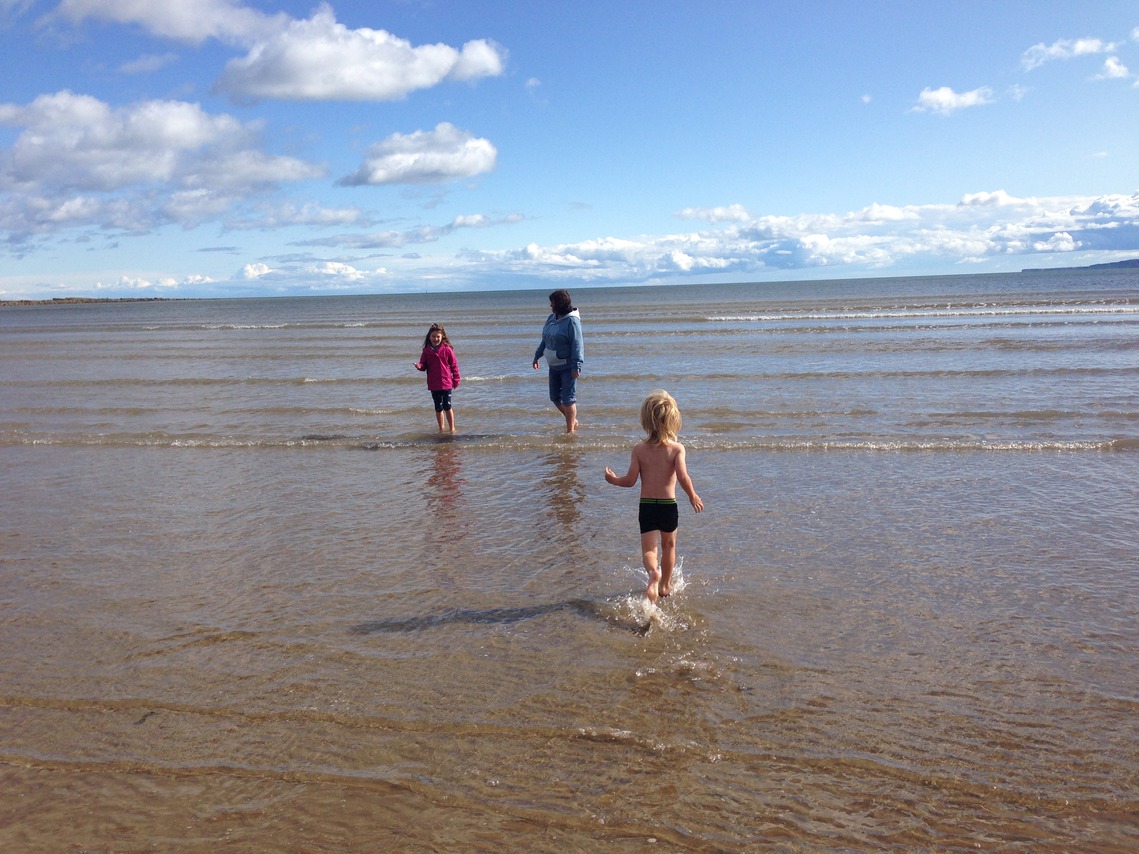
column 451, row 420
column 667, row 561
column 649, row 558
column 439, row 420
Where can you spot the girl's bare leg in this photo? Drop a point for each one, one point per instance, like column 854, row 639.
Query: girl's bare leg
column 667, row 561
column 451, row 420
column 439, row 420
column 649, row 558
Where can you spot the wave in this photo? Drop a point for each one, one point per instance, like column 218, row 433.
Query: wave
column 678, row 373
column 168, row 382
column 918, row 313
column 546, row 442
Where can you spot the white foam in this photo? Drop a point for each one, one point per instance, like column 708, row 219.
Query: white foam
column 636, row 607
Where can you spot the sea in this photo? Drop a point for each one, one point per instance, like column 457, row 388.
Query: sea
column 252, row 601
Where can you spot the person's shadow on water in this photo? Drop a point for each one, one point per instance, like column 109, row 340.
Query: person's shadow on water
column 612, row 612
column 445, row 500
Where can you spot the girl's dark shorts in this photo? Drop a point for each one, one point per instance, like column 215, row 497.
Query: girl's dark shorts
column 442, row 400
column 659, row 514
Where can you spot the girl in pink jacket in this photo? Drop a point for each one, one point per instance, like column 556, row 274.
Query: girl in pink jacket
column 442, row 367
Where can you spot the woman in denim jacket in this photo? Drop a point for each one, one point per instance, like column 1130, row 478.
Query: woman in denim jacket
column 564, row 349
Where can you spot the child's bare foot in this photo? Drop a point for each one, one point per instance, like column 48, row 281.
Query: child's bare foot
column 665, row 590
column 653, row 590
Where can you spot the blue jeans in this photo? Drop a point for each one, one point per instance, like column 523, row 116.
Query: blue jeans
column 563, row 386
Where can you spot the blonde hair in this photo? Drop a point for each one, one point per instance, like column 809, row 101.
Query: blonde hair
column 660, row 416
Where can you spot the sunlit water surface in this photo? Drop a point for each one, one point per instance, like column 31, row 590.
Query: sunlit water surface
column 249, row 599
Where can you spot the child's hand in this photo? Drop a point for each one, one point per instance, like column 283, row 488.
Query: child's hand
column 697, row 504
column 610, row 475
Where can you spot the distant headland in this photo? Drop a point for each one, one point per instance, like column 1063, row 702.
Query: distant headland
column 81, row 300
column 1130, row 263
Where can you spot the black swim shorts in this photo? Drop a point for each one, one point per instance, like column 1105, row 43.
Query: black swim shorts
column 659, row 514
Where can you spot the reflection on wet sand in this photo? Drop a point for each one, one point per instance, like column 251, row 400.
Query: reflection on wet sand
column 563, row 486
column 448, row 522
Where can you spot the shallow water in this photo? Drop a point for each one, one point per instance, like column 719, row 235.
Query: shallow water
column 249, row 599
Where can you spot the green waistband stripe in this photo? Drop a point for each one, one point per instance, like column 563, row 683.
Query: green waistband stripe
column 658, row 500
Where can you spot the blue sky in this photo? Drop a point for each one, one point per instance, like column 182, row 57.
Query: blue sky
column 237, row 148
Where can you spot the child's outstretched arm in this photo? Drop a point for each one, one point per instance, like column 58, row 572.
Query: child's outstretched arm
column 686, row 482
column 630, row 478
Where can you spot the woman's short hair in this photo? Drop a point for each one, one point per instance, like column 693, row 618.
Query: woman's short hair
column 561, row 302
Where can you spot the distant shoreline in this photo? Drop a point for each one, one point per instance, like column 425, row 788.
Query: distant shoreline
column 1130, row 263
column 82, row 300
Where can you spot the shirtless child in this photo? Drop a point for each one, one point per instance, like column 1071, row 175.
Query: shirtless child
column 659, row 463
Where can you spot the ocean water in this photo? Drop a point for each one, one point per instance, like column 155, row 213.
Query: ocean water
column 251, row 600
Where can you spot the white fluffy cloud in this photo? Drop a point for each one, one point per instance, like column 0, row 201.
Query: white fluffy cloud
column 311, row 275
column 982, row 225
column 79, row 161
column 301, row 59
column 1114, row 69
column 425, row 157
column 320, row 59
column 192, row 22
column 945, row 101
column 1041, row 53
column 728, row 213
column 255, row 271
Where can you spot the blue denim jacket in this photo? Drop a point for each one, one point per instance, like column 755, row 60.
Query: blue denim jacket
column 562, row 342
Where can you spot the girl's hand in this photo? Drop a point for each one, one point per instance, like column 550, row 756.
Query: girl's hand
column 535, row 364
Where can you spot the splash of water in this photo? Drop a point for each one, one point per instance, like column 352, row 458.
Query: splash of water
column 638, row 610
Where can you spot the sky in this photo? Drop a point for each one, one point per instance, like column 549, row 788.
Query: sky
column 233, row 148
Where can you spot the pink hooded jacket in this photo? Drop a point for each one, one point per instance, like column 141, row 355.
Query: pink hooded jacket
column 441, row 365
